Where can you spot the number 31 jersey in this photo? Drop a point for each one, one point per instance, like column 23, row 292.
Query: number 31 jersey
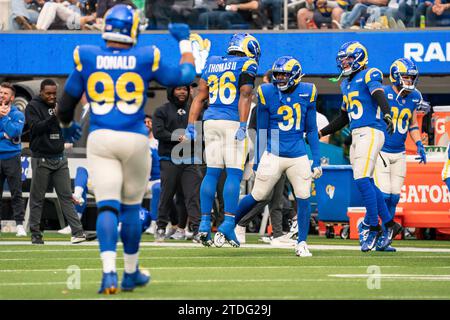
column 222, row 74
column 362, row 109
column 115, row 82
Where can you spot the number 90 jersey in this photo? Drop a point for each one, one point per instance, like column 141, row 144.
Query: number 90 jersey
column 362, row 109
column 115, row 82
column 222, row 74
column 290, row 115
column 402, row 110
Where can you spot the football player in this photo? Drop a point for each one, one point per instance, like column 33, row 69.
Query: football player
column 286, row 110
column 446, row 169
column 404, row 100
column 115, row 77
column 367, row 110
column 227, row 81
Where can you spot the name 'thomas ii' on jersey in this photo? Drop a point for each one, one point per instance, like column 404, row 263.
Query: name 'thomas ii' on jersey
column 222, row 75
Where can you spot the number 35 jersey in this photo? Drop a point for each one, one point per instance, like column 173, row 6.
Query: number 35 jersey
column 402, row 110
column 222, row 74
column 362, row 109
column 115, row 82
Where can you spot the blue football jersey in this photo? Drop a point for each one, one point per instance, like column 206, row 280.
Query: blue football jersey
column 155, row 174
column 362, row 109
column 402, row 110
column 289, row 114
column 222, row 73
column 115, row 82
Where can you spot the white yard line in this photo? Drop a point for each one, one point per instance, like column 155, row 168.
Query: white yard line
column 395, row 276
column 196, row 245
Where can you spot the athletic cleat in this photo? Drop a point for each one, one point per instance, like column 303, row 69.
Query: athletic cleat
column 225, row 233
column 363, row 231
column 133, row 280
column 205, row 238
column 301, row 250
column 388, row 249
column 389, row 233
column 109, row 283
column 371, row 240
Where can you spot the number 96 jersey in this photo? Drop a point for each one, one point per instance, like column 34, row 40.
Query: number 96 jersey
column 115, row 83
column 223, row 76
column 362, row 109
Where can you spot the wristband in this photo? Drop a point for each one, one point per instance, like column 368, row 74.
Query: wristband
column 185, row 46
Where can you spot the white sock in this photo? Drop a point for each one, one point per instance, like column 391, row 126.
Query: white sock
column 130, row 262
column 78, row 192
column 109, row 261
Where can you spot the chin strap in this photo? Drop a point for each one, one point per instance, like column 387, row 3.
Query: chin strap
column 398, row 95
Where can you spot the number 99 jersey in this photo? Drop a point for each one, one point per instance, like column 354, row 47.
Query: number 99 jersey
column 402, row 110
column 223, row 77
column 362, row 109
column 115, row 82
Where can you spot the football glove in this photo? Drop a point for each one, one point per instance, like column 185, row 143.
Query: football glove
column 190, row 132
column 72, row 132
column 180, row 31
column 389, row 124
column 316, row 170
column 241, row 132
column 421, row 152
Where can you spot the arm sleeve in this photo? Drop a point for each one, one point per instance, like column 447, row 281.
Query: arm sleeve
column 312, row 133
column 13, row 125
column 381, row 100
column 262, row 123
column 159, row 130
column 171, row 76
column 37, row 125
column 73, row 90
column 337, row 124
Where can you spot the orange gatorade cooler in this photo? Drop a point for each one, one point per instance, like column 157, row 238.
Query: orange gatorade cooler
column 441, row 120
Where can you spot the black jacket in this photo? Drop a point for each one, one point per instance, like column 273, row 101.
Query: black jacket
column 167, row 118
column 46, row 140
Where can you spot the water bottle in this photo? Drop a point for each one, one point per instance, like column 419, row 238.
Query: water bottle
column 422, row 22
column 362, row 22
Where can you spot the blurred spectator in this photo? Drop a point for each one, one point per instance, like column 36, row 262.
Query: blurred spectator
column 177, row 170
column 105, row 5
column 274, row 9
column 410, row 14
column 321, row 13
column 68, row 13
column 438, row 15
column 11, row 126
column 360, row 9
column 230, row 14
column 24, row 14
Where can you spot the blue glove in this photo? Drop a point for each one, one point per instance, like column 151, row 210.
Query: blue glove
column 72, row 133
column 190, row 132
column 180, row 31
column 421, row 152
column 241, row 132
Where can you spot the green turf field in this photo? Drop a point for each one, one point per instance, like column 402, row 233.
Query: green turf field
column 260, row 272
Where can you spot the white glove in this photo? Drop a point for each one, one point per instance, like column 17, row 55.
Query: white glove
column 317, row 172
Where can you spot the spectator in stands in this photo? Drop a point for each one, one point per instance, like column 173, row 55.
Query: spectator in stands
column 360, row 8
column 438, row 15
column 321, row 13
column 48, row 162
column 409, row 14
column 11, row 126
column 230, row 14
column 23, row 15
column 274, row 8
column 177, row 168
column 65, row 15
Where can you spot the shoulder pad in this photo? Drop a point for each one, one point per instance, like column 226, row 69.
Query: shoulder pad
column 250, row 66
column 264, row 91
column 373, row 74
column 156, row 58
column 77, row 58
